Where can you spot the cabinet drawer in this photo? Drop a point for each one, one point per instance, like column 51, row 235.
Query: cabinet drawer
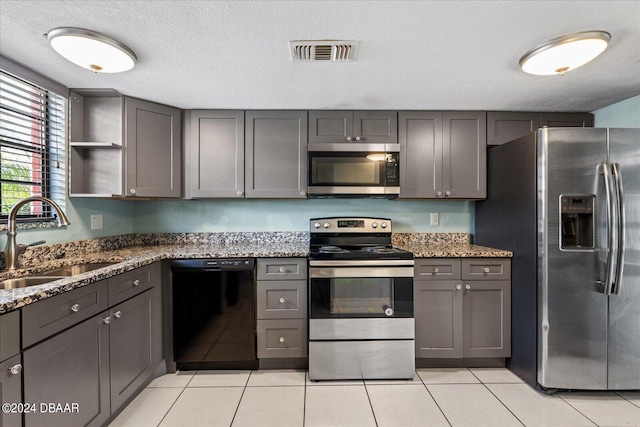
column 486, row 269
column 282, row 338
column 131, row 283
column 282, row 299
column 282, row 268
column 44, row 318
column 9, row 334
column 437, row 269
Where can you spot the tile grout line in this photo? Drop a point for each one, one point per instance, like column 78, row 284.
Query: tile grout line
column 434, row 400
column 633, row 403
column 174, row 402
column 241, row 396
column 375, row 420
column 578, row 410
column 497, row 398
column 304, row 401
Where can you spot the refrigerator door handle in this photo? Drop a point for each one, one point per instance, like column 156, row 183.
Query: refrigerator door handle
column 620, row 229
column 610, row 271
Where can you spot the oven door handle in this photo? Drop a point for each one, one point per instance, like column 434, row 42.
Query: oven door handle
column 366, row 272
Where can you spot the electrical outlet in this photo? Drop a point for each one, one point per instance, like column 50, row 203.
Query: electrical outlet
column 96, row 222
column 435, row 218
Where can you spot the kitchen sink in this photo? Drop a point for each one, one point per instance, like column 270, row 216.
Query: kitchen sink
column 51, row 275
column 23, row 282
column 72, row 270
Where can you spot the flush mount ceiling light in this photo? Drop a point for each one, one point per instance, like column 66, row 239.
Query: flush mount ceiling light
column 91, row 50
column 565, row 53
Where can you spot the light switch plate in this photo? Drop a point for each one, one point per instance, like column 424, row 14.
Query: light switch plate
column 96, row 222
column 435, row 218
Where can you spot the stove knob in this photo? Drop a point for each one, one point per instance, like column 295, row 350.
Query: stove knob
column 374, row 225
column 316, row 225
column 325, row 225
column 383, row 225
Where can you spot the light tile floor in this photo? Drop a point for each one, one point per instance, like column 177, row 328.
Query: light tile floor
column 434, row 397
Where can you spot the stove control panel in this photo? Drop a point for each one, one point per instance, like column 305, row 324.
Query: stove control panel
column 350, row 225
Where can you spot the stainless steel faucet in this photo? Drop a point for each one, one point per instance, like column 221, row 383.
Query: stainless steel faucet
column 13, row 250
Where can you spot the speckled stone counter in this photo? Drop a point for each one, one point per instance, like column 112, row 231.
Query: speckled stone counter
column 445, row 245
column 129, row 258
column 131, row 251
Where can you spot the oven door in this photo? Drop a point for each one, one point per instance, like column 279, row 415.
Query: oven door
column 360, row 292
column 352, row 173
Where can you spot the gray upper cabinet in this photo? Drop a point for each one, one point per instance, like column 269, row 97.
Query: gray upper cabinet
column 121, row 146
column 504, row 126
column 371, row 126
column 276, row 154
column 442, row 154
column 214, row 151
column 566, row 120
column 153, row 155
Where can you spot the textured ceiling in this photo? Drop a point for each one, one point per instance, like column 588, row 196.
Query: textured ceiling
column 444, row 55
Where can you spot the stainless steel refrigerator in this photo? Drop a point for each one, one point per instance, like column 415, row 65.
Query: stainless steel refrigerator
column 566, row 201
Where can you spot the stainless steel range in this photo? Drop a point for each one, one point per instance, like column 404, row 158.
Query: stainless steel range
column 361, row 323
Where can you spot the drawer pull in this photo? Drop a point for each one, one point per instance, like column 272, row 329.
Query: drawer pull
column 283, row 270
column 467, row 286
column 458, row 287
column 436, row 270
column 118, row 314
column 282, row 300
column 136, row 282
column 281, row 339
column 107, row 320
column 75, row 308
column 15, row 369
column 486, row 269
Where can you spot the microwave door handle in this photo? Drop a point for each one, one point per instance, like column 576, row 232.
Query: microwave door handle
column 620, row 228
column 609, row 272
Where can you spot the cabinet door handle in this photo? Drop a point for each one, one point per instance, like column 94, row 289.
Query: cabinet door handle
column 447, row 193
column 75, row 308
column 436, row 270
column 283, row 270
column 136, row 282
column 439, row 194
column 132, row 191
column 239, row 193
column 359, row 138
column 486, row 269
column 467, row 286
column 458, row 287
column 281, row 339
column 282, row 300
column 349, row 138
column 107, row 320
column 15, row 369
column 302, row 193
column 118, row 314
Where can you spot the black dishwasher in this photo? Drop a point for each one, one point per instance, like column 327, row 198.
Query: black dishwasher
column 214, row 322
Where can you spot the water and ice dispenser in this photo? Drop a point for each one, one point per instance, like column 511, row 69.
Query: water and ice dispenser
column 576, row 219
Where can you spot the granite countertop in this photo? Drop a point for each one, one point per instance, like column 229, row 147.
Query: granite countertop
column 132, row 257
column 460, row 250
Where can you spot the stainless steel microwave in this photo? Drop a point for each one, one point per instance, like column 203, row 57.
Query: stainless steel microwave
column 354, row 169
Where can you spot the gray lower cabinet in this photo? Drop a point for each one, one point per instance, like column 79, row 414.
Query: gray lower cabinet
column 73, row 368
column 153, row 152
column 442, row 154
column 10, row 369
column 276, row 154
column 504, row 126
column 367, row 126
column 281, row 307
column 461, row 318
column 97, row 363
column 214, row 154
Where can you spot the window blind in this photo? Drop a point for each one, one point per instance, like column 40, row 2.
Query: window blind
column 32, row 146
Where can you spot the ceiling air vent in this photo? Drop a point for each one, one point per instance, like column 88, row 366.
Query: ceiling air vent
column 322, row 50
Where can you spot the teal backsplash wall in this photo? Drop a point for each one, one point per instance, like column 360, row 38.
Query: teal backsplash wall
column 624, row 114
column 294, row 215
